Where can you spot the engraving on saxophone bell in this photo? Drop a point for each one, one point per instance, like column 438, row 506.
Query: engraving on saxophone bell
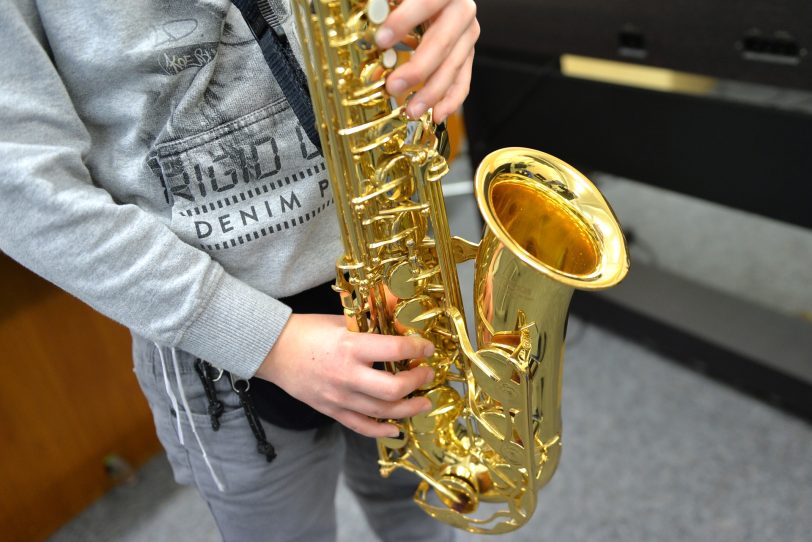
column 520, row 290
column 493, row 433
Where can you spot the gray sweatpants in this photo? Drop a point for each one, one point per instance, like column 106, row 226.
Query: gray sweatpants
column 290, row 499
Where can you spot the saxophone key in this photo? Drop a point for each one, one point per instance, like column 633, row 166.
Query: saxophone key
column 417, row 314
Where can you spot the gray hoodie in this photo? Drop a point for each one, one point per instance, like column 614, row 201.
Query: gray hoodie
column 153, row 169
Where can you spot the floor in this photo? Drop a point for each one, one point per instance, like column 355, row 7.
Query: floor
column 652, row 451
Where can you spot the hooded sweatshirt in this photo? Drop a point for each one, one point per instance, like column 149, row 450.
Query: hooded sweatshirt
column 153, row 168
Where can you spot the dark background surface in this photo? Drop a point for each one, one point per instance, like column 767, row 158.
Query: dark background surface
column 748, row 40
column 754, row 156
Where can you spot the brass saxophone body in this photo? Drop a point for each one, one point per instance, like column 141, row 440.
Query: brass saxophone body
column 493, row 437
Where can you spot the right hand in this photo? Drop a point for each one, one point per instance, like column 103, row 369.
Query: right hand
column 442, row 62
column 318, row 361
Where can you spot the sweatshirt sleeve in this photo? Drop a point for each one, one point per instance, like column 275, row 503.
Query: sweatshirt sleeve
column 119, row 259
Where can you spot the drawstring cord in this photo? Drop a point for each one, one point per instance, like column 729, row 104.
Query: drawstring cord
column 171, row 394
column 185, row 403
column 215, row 408
column 241, row 388
column 217, row 481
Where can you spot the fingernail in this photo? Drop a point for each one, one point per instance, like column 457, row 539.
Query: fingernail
column 394, row 432
column 398, row 86
column 428, row 350
column 384, row 37
column 427, row 408
column 417, row 109
column 430, row 379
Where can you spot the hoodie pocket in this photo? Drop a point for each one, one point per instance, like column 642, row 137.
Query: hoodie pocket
column 241, row 181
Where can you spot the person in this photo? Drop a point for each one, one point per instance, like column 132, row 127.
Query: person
column 154, row 168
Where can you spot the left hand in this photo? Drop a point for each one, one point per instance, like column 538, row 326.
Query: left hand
column 442, row 61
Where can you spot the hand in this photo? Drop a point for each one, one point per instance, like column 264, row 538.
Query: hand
column 319, row 362
column 442, row 61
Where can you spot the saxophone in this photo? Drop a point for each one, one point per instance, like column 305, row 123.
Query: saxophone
column 493, row 436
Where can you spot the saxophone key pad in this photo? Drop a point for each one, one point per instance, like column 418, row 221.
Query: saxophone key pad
column 389, row 58
column 377, row 11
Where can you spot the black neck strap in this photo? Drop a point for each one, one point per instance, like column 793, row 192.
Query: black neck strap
column 279, row 56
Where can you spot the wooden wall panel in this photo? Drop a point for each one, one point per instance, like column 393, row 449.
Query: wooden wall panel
column 68, row 398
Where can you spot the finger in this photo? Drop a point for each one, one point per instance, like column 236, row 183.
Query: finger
column 371, row 347
column 441, row 80
column 378, row 408
column 435, row 46
column 456, row 93
column 391, row 387
column 404, row 18
column 366, row 426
